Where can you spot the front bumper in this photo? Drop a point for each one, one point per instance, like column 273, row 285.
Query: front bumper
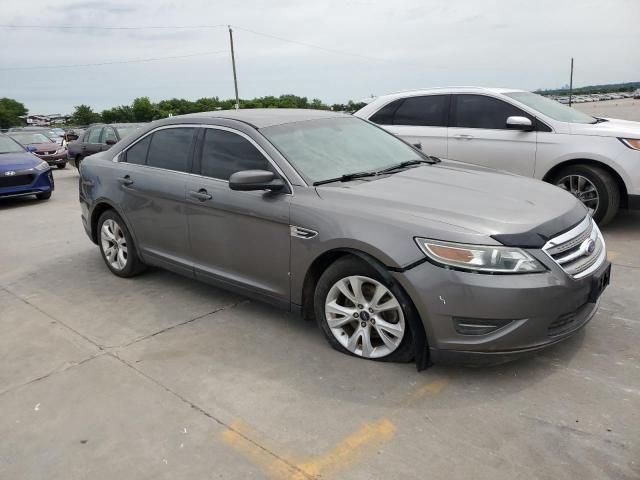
column 41, row 183
column 54, row 159
column 534, row 310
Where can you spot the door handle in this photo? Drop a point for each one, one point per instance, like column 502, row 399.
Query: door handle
column 126, row 180
column 201, row 195
column 463, row 137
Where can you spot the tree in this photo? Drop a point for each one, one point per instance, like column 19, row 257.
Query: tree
column 144, row 110
column 10, row 112
column 84, row 115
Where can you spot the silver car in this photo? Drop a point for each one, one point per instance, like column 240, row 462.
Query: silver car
column 398, row 256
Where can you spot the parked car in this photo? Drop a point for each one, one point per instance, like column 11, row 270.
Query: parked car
column 596, row 159
column 50, row 133
column 397, row 254
column 98, row 138
column 42, row 146
column 22, row 173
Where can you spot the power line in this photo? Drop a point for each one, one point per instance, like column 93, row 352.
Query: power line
column 102, row 27
column 117, row 62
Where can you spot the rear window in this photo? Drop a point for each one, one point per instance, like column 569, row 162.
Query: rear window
column 424, row 111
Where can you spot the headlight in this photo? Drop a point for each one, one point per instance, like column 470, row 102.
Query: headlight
column 61, row 150
column 633, row 143
column 480, row 258
column 42, row 166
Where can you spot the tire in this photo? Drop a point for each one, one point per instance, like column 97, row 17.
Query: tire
column 43, row 196
column 364, row 323
column 113, row 235
column 78, row 161
column 62, row 166
column 606, row 188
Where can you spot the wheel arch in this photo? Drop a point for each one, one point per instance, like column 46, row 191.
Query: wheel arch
column 101, row 206
column 325, row 259
column 550, row 175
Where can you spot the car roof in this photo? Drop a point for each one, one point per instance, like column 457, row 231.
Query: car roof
column 261, row 117
column 446, row 90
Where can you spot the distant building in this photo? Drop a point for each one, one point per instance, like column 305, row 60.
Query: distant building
column 45, row 120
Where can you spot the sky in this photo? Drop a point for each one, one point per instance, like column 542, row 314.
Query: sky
column 333, row 50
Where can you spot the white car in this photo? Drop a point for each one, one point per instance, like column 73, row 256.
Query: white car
column 596, row 159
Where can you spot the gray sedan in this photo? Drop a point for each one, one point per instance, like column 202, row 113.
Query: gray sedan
column 398, row 256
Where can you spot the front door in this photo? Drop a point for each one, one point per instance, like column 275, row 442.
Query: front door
column 237, row 238
column 152, row 177
column 478, row 134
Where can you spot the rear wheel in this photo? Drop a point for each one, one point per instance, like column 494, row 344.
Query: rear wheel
column 117, row 247
column 360, row 313
column 594, row 187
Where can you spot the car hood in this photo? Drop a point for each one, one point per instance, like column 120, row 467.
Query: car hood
column 45, row 147
column 18, row 161
column 613, row 127
column 461, row 198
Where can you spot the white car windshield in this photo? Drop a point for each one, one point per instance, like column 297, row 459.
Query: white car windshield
column 551, row 108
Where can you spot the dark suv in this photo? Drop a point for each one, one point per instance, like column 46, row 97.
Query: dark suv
column 99, row 138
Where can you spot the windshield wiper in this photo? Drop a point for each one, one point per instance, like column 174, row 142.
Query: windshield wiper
column 347, row 177
column 408, row 163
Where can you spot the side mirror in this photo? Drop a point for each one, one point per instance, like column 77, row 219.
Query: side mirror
column 519, row 123
column 110, row 141
column 32, row 149
column 248, row 180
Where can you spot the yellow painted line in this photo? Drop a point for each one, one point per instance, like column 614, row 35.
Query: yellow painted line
column 611, row 255
column 344, row 455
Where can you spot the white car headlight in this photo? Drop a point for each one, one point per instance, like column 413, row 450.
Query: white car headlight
column 42, row 166
column 633, row 143
column 480, row 258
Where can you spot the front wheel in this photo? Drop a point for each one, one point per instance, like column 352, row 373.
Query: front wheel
column 594, row 187
column 361, row 314
column 117, row 247
column 43, row 196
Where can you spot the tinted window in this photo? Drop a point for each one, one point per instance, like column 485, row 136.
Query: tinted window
column 170, row 149
column 138, row 153
column 93, row 135
column 109, row 134
column 479, row 111
column 384, row 116
column 427, row 111
column 224, row 153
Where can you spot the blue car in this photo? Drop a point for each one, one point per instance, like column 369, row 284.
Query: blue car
column 21, row 172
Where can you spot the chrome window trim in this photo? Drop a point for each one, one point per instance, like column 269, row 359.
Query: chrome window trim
column 117, row 158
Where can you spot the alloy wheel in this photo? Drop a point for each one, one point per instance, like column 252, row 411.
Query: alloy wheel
column 114, row 244
column 364, row 316
column 582, row 188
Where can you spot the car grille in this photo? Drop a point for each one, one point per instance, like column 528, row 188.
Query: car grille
column 580, row 251
column 16, row 181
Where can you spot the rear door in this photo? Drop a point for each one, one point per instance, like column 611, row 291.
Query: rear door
column 478, row 134
column 152, row 177
column 92, row 141
column 420, row 120
column 238, row 238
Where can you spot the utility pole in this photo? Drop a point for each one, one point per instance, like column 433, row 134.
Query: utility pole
column 570, row 82
column 233, row 62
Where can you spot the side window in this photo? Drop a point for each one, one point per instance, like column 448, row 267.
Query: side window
column 225, row 153
column 426, row 111
column 138, row 153
column 109, row 134
column 384, row 116
column 94, row 135
column 479, row 111
column 170, row 149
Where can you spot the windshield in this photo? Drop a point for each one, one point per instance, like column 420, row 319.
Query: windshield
column 126, row 131
column 332, row 147
column 551, row 108
column 7, row 145
column 27, row 138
